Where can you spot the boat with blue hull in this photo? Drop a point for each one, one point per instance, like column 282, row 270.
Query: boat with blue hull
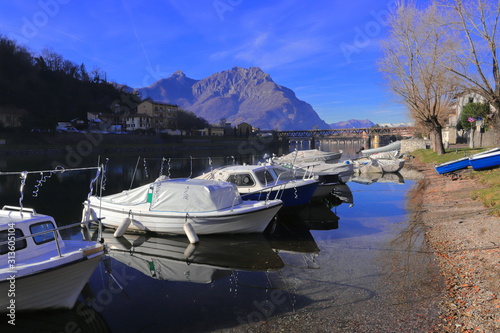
column 261, row 182
column 485, row 160
column 451, row 166
column 482, row 160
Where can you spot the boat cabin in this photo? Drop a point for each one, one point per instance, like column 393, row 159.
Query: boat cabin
column 23, row 223
column 250, row 177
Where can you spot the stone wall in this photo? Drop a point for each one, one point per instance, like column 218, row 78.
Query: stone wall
column 410, row 145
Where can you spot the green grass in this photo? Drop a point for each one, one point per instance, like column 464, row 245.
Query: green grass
column 490, row 196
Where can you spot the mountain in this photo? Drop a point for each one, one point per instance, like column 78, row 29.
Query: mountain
column 237, row 95
column 352, row 123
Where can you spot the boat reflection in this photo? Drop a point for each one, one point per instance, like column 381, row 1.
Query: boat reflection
column 173, row 258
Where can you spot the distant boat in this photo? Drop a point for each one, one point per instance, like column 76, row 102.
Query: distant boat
column 165, row 206
column 467, row 161
column 310, row 155
column 49, row 272
column 396, row 145
column 376, row 165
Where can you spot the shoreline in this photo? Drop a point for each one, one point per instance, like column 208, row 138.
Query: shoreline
column 466, row 244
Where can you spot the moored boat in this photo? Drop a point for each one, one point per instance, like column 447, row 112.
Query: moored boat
column 172, row 205
column 260, row 182
column 38, row 268
column 310, row 155
column 375, row 165
column 396, row 145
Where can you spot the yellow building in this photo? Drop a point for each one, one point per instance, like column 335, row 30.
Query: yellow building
column 164, row 115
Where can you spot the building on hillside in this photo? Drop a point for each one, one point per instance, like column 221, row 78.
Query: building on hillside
column 243, row 129
column 12, row 117
column 211, row 131
column 109, row 122
column 163, row 115
column 138, row 121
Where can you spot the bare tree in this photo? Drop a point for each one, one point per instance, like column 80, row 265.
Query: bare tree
column 476, row 62
column 415, row 59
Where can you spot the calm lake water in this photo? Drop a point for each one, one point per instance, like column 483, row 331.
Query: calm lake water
column 353, row 258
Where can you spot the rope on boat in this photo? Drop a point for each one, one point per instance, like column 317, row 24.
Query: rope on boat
column 55, row 170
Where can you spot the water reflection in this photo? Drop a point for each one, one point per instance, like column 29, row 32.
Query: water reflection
column 173, row 258
column 326, row 258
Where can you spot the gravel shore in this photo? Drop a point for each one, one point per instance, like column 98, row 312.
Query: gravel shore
column 466, row 241
column 460, row 237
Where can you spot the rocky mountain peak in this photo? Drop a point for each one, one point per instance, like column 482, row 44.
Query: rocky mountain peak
column 238, row 95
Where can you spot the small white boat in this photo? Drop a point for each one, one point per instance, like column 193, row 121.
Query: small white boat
column 38, row 269
column 183, row 206
column 307, row 156
column 259, row 182
column 396, row 145
column 375, row 165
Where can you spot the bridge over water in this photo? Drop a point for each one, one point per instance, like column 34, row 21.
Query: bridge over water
column 364, row 136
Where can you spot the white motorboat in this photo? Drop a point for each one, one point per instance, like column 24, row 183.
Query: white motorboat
column 258, row 182
column 310, row 155
column 183, row 206
column 376, row 165
column 38, row 269
column 396, row 145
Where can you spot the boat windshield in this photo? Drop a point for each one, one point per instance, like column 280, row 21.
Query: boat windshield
column 266, row 176
column 285, row 174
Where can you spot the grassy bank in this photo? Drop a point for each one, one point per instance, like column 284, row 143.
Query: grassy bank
column 489, row 196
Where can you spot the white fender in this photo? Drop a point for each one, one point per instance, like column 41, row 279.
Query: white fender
column 122, row 227
column 190, row 233
column 88, row 214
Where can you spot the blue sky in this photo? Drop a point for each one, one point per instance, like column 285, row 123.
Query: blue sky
column 324, row 50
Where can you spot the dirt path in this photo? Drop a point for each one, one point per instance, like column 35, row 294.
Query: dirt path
column 466, row 241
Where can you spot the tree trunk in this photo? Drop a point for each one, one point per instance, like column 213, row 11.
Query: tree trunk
column 437, row 136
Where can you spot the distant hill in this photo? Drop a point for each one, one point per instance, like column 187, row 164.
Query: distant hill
column 237, row 95
column 352, row 123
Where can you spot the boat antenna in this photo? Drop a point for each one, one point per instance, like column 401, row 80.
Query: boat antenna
column 135, row 170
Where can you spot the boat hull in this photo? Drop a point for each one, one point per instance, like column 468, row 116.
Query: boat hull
column 56, row 288
column 251, row 218
column 461, row 163
column 485, row 161
column 291, row 195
